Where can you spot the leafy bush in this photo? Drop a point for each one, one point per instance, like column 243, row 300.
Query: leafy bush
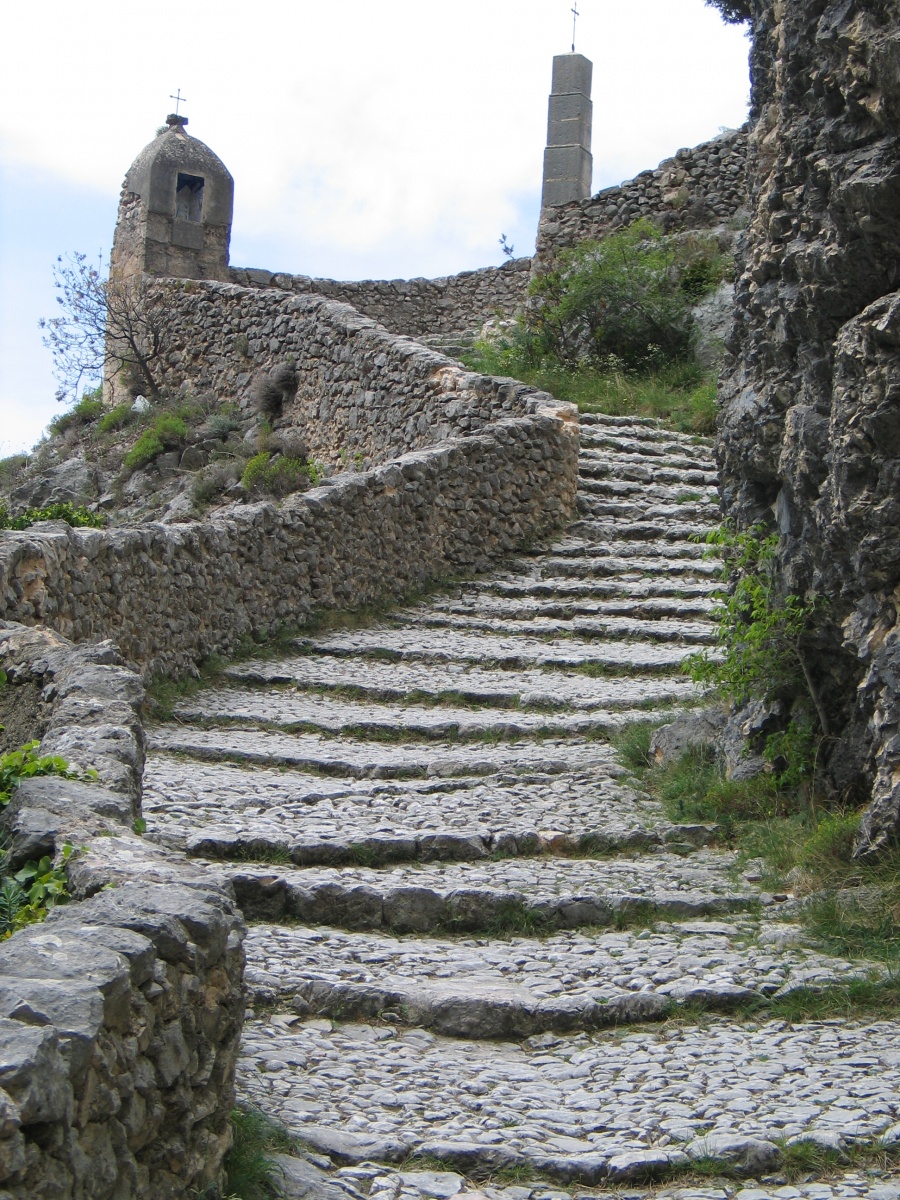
column 628, row 296
column 116, row 418
column 759, row 630
column 167, row 431
column 265, row 476
column 761, row 654
column 72, row 515
column 87, row 410
column 27, row 896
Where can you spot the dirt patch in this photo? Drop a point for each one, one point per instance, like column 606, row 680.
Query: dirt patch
column 23, row 715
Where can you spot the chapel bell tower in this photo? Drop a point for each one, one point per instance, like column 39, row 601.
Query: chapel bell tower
column 175, row 210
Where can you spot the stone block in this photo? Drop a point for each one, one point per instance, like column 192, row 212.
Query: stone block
column 572, row 73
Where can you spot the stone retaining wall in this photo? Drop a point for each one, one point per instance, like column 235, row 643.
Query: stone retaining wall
column 120, row 1015
column 416, row 307
column 171, row 595
column 696, row 189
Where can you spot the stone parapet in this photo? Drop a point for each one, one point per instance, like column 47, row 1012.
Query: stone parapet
column 451, row 304
column 120, row 1015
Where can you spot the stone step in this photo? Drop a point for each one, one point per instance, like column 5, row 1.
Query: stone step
column 610, row 529
column 522, row 985
column 485, row 604
column 656, row 550
column 653, row 629
column 356, row 759
column 643, row 491
column 413, row 644
column 461, row 683
column 578, row 559
column 601, row 507
column 640, row 428
column 497, row 896
column 222, row 810
column 599, row 466
column 671, row 453
column 637, row 592
column 299, row 711
column 581, row 1109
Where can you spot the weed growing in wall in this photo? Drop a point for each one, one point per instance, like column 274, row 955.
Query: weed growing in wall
column 760, row 651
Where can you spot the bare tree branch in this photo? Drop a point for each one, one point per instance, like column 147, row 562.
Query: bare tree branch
column 104, row 322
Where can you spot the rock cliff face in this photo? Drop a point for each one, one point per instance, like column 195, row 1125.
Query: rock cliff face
column 810, row 421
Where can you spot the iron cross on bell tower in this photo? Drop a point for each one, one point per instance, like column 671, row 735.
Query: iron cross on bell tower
column 179, row 99
column 575, row 15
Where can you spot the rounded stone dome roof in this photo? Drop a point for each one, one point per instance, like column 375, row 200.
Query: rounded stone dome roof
column 154, row 174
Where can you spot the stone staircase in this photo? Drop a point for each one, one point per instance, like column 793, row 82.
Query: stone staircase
column 481, row 960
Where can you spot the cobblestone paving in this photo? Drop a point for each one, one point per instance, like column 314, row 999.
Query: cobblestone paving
column 466, row 919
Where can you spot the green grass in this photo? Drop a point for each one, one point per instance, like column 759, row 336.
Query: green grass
column 850, row 908
column 681, row 394
column 250, row 1171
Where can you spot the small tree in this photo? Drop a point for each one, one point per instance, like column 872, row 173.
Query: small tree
column 104, row 322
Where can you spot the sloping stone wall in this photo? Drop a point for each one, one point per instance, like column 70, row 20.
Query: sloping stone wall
column 696, row 189
column 360, row 390
column 120, row 1015
column 417, row 307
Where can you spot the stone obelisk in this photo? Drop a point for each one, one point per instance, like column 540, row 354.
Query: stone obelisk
column 567, row 160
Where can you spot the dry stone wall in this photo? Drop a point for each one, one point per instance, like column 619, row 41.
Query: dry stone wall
column 360, row 390
column 171, row 595
column 120, row 1015
column 697, row 188
column 418, row 307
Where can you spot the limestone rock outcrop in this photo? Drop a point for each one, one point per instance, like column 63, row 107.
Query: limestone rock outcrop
column 810, row 423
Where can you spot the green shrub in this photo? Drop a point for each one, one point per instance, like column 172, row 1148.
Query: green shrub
column 116, row 418
column 212, row 481
column 628, row 295
column 72, row 515
column 11, row 466
column 220, row 425
column 265, row 476
column 831, row 841
column 87, row 410
column 166, row 432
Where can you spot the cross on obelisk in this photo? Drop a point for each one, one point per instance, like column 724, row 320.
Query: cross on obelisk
column 179, row 99
column 575, row 15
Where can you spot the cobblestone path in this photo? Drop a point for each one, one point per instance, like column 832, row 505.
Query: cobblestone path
column 466, row 919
